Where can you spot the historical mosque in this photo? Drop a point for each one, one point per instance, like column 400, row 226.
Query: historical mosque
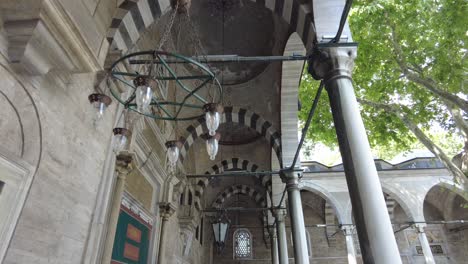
column 166, row 131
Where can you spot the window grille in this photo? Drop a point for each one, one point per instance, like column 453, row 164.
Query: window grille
column 242, row 244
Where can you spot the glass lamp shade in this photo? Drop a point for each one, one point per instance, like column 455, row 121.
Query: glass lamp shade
column 220, row 231
column 100, row 108
column 119, row 142
column 172, row 153
column 212, row 117
column 143, row 94
column 143, row 98
column 99, row 103
column 212, row 147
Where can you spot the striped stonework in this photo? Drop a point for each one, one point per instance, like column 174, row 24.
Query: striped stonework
column 257, row 195
column 242, row 117
column 391, row 203
column 331, row 227
column 234, row 163
column 133, row 17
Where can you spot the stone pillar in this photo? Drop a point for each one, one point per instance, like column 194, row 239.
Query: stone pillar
column 291, row 178
column 349, row 236
column 122, row 169
column 274, row 245
column 282, row 239
column 426, row 248
column 333, row 63
column 165, row 210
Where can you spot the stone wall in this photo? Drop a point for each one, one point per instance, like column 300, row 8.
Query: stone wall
column 54, row 223
column 40, row 62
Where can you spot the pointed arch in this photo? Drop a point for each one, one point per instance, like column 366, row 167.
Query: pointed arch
column 240, row 116
column 133, row 17
column 227, row 164
column 257, row 195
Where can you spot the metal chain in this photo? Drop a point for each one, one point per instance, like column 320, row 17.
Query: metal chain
column 168, row 28
column 199, row 50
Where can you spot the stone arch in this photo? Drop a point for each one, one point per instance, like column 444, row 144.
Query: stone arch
column 133, row 17
column 330, row 199
column 290, row 79
column 256, row 195
column 20, row 151
column 451, row 186
column 235, row 115
column 228, row 164
column 445, row 199
column 26, row 137
column 395, row 196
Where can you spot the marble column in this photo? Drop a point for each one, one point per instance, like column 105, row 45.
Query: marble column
column 282, row 238
column 333, row 63
column 291, row 178
column 122, row 169
column 274, row 245
column 166, row 210
column 426, row 248
column 349, row 231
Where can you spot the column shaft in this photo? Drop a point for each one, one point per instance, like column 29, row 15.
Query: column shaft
column 282, row 239
column 351, row 250
column 426, row 248
column 113, row 218
column 165, row 210
column 334, row 63
column 301, row 254
column 274, row 246
column 162, row 239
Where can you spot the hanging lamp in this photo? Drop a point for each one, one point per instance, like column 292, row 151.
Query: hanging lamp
column 120, row 140
column 212, row 145
column 99, row 103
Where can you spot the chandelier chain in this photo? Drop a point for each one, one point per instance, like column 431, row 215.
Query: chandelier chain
column 168, row 28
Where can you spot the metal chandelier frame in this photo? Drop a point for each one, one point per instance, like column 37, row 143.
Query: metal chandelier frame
column 204, row 76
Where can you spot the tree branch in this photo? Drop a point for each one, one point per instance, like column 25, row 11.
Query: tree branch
column 415, row 75
column 459, row 176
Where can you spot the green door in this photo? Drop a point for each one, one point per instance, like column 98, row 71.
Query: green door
column 131, row 240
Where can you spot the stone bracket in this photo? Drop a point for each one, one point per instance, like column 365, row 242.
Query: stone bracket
column 47, row 41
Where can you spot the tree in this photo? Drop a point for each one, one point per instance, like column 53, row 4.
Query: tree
column 409, row 76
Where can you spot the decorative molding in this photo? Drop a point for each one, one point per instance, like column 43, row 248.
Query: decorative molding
column 135, row 207
column 49, row 41
column 17, row 176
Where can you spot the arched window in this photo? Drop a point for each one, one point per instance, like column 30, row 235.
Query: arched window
column 242, row 244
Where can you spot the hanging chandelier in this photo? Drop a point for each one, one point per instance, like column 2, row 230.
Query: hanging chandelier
column 164, row 85
column 197, row 89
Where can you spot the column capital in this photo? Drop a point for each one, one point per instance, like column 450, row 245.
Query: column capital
column 291, row 177
column 166, row 210
column 419, row 227
column 332, row 60
column 123, row 163
column 279, row 214
column 348, row 230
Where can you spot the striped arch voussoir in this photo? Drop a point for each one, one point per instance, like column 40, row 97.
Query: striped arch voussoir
column 233, row 163
column 242, row 117
column 255, row 194
column 133, row 17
